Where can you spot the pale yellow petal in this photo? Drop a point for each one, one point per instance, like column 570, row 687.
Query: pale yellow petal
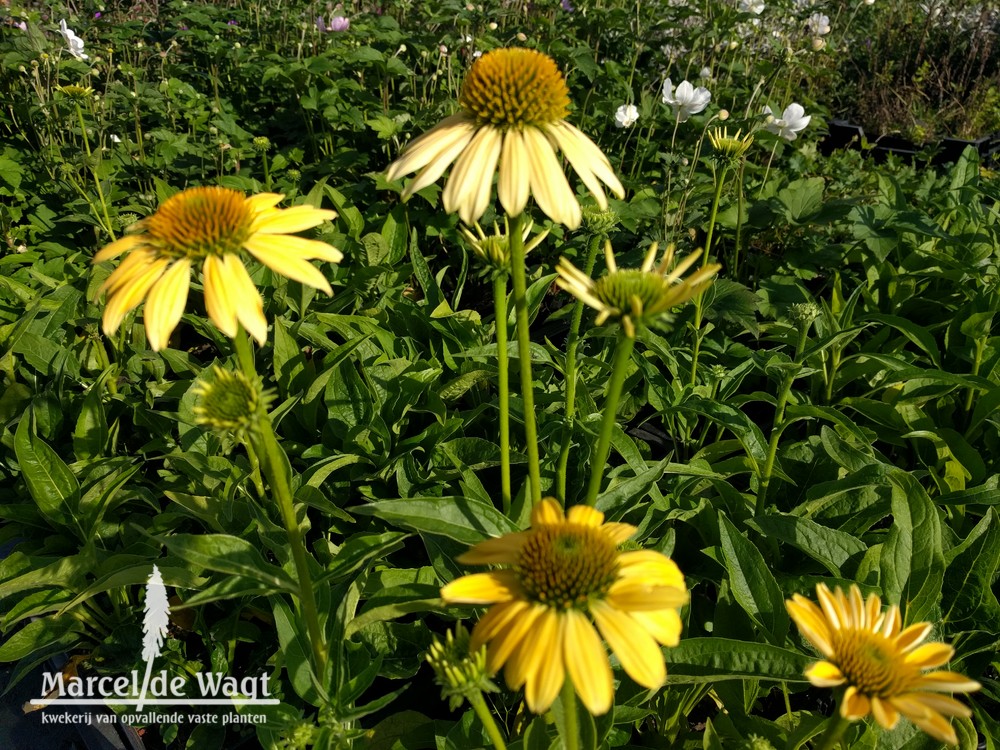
column 652, row 565
column 548, row 181
column 294, row 219
column 516, row 646
column 219, row 296
column 948, row 682
column 433, row 171
column 119, row 246
column 825, row 674
column 587, row 663
column 885, row 713
column 273, row 251
column 811, row 623
column 584, row 155
column 495, row 621
column 943, row 704
column 636, row 649
column 307, row 249
column 482, row 588
column 134, row 265
column 131, row 294
column 914, row 708
column 664, row 625
column 513, row 185
column 427, row 149
column 930, row 655
column 910, row 638
column 546, row 671
column 500, row 551
column 263, row 202
column 471, row 181
column 166, row 302
column 637, row 595
column 245, row 298
column 619, row 532
column 585, row 515
column 854, row 705
column 546, row 512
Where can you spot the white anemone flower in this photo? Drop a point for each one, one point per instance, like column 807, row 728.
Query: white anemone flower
column 752, row 6
column 792, row 121
column 74, row 42
column 686, row 100
column 818, row 24
column 626, row 116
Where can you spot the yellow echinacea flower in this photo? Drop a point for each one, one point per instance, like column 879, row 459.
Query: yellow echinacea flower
column 879, row 664
column 211, row 226
column 514, row 104
column 564, row 576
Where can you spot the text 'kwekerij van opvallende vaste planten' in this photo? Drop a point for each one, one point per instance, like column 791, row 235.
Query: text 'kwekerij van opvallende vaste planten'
column 500, row 374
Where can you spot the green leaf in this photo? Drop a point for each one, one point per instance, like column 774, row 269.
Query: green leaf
column 917, row 334
column 752, row 582
column 831, row 548
column 912, row 556
column 708, row 660
column 51, row 484
column 39, row 634
column 802, row 199
column 968, row 580
column 397, row 601
column 91, row 432
column 745, row 430
column 459, row 518
column 230, row 555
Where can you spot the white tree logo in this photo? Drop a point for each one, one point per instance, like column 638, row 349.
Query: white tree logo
column 154, row 626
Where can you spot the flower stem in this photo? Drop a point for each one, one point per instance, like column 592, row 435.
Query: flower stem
column 623, row 353
column 834, row 731
column 479, row 706
column 519, row 277
column 572, row 341
column 699, row 300
column 571, row 740
column 108, row 226
column 503, row 385
column 274, row 465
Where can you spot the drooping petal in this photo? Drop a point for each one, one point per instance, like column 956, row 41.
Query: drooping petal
column 664, row 625
column 547, row 671
column 647, row 563
column 930, row 655
column 885, row 713
column 639, row 595
column 263, row 202
column 245, row 297
column 428, row 148
column 119, row 246
column 165, row 303
column 495, row 621
column 636, row 649
column 825, row 674
column 520, row 643
column 502, row 550
column 854, row 705
column 273, row 251
column 912, row 636
column 131, row 294
column 548, row 182
column 471, row 182
column 587, row 663
column 619, row 532
column 482, row 588
column 219, row 303
column 294, row 219
column 513, row 186
column 948, row 682
column 585, row 516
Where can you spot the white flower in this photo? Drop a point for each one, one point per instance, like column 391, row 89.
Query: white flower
column 818, row 24
column 686, row 100
column 705, row 73
column 752, row 6
column 74, row 42
column 793, row 120
column 114, row 138
column 626, row 116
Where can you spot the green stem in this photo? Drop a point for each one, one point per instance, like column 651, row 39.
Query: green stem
column 93, row 172
column 834, row 731
column 503, row 385
column 699, row 300
column 623, row 353
column 479, row 706
column 976, row 364
column 572, row 341
column 274, row 465
column 519, row 277
column 571, row 740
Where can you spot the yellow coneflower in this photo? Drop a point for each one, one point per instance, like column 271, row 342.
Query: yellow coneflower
column 564, row 572
column 880, row 665
column 636, row 296
column 494, row 249
column 211, row 226
column 514, row 104
column 229, row 402
column 729, row 146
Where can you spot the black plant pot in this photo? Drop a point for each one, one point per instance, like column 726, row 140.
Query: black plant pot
column 845, row 134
